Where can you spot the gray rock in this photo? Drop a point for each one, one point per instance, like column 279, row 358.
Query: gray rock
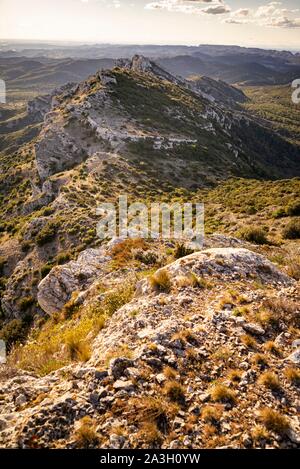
column 3, row 424
column 117, row 366
column 294, row 357
column 231, row 263
column 184, row 300
column 205, row 397
column 160, row 378
column 293, row 435
column 57, row 287
column 100, row 375
column 94, row 398
column 123, row 385
column 102, row 392
column 21, row 400
column 116, row 441
column 253, row 328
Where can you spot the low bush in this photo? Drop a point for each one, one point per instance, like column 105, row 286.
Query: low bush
column 181, row 251
column 26, row 302
column 12, row 332
column 279, row 213
column 160, row 281
column 291, row 230
column 270, row 381
column 221, row 393
column 124, row 252
column 63, row 257
column 254, row 235
column 274, row 421
column 45, row 269
column 86, row 436
column 293, row 210
column 47, row 234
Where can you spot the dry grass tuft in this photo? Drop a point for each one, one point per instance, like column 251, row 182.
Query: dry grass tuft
column 260, row 359
column 271, row 347
column 86, row 436
column 211, row 414
column 221, row 393
column 292, row 375
column 160, row 281
column 248, row 341
column 157, row 410
column 174, row 391
column 235, row 376
column 169, row 372
column 149, row 434
column 259, row 434
column 274, row 421
column 270, row 381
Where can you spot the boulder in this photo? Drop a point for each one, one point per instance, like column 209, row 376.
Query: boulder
column 56, row 289
column 227, row 264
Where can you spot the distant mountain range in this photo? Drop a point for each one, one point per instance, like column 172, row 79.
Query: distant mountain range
column 31, row 65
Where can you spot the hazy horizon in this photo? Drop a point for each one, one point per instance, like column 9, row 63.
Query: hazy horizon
column 71, row 43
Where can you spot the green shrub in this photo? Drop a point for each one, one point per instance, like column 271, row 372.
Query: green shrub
column 118, row 297
column 146, row 257
column 46, row 234
column 46, row 211
column 292, row 230
column 2, row 264
column 293, row 210
column 279, row 213
column 181, row 251
column 63, row 257
column 45, row 269
column 12, row 332
column 26, row 302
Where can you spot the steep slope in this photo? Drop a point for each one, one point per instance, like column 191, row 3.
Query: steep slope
column 219, row 92
column 135, row 130
column 273, row 104
column 139, row 104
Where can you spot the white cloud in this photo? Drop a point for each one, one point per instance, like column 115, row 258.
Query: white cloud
column 271, row 14
column 217, row 7
column 283, row 22
column 242, row 12
column 266, row 10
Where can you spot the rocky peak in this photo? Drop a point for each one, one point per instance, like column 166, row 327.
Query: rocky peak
column 141, row 64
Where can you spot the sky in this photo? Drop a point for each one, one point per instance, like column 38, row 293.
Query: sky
column 242, row 22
